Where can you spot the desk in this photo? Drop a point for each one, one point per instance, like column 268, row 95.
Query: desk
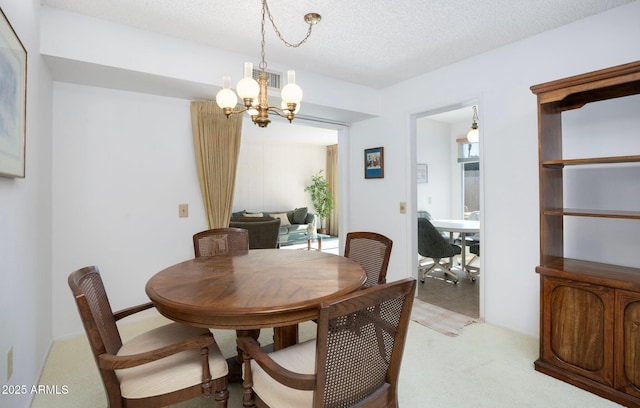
column 462, row 227
column 260, row 289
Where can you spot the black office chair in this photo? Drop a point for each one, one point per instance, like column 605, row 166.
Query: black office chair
column 472, row 269
column 431, row 244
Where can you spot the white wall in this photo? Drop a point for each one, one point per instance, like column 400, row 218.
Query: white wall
column 273, row 171
column 25, row 224
column 100, row 45
column 608, row 128
column 436, row 145
column 125, row 158
column 500, row 81
column 123, row 161
column 433, row 147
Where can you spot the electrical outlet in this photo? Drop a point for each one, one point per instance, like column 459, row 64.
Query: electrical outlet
column 9, row 363
column 183, row 210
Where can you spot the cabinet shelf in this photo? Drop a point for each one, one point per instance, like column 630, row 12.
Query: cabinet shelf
column 575, row 92
column 580, row 212
column 620, row 277
column 593, row 160
column 589, row 311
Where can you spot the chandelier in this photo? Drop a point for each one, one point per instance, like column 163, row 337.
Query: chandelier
column 474, row 134
column 254, row 93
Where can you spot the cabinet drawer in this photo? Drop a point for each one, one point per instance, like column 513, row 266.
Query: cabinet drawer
column 577, row 323
column 627, row 375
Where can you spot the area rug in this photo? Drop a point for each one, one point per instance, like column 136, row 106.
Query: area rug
column 441, row 320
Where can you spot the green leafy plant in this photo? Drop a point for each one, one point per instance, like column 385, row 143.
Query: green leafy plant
column 321, row 197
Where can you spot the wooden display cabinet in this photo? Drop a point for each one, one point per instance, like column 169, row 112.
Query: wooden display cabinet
column 589, row 311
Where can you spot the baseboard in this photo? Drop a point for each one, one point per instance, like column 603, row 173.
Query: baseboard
column 587, row 384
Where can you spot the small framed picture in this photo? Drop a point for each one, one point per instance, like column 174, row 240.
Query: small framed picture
column 374, row 162
column 422, row 173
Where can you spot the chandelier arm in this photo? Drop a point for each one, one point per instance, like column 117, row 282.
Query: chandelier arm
column 258, row 107
column 234, row 111
column 277, row 110
column 283, row 113
column 275, row 28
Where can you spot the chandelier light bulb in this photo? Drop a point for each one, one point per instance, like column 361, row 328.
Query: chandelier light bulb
column 253, row 110
column 473, row 136
column 248, row 87
column 291, row 93
column 254, row 93
column 226, row 98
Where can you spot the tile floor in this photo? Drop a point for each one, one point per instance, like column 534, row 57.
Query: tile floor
column 463, row 297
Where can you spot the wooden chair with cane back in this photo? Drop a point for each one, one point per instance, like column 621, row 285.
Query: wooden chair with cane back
column 163, row 366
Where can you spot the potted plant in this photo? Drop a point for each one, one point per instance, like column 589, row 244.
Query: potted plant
column 321, row 198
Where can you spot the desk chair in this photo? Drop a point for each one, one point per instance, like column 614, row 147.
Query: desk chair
column 353, row 361
column 219, row 241
column 431, row 244
column 475, row 250
column 372, row 251
column 163, row 366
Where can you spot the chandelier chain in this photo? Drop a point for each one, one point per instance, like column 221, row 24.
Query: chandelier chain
column 258, row 106
column 263, row 62
column 265, row 8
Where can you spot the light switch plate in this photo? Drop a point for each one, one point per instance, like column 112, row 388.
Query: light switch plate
column 183, row 210
column 9, row 363
column 403, row 207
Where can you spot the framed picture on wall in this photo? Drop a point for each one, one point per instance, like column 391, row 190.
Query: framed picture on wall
column 422, row 173
column 13, row 97
column 374, row 162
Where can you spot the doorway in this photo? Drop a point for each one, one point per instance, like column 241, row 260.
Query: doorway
column 452, row 191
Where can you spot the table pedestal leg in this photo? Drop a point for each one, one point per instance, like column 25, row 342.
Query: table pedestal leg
column 285, row 336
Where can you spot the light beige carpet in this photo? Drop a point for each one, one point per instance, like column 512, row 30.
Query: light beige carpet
column 484, row 367
column 441, row 320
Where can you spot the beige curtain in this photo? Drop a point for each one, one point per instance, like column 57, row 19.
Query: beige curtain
column 332, row 179
column 216, row 141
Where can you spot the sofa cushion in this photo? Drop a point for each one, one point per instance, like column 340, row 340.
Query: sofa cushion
column 300, row 215
column 284, row 220
column 253, row 214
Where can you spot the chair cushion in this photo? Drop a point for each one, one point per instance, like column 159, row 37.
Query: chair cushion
column 300, row 358
column 169, row 374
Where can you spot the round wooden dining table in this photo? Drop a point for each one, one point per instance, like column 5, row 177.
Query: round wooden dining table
column 263, row 288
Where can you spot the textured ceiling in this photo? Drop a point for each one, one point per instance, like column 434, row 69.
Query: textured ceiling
column 372, row 42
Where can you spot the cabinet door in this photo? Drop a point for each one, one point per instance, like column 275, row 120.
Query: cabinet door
column 577, row 328
column 627, row 361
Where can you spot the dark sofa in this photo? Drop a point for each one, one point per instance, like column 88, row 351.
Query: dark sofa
column 293, row 223
column 263, row 231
